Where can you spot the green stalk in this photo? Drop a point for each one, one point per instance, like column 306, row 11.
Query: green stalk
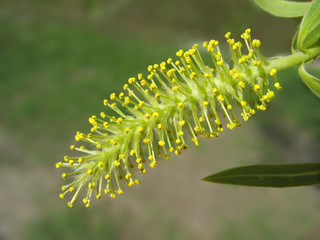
column 282, row 63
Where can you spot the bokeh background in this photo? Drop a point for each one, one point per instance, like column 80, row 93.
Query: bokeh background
column 59, row 60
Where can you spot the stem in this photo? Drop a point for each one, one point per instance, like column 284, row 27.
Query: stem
column 295, row 59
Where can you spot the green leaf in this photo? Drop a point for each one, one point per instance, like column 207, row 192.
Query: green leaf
column 284, row 175
column 312, row 82
column 281, row 8
column 309, row 33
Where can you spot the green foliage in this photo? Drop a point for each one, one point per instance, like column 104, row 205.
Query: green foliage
column 309, row 32
column 282, row 175
column 282, row 8
column 312, row 82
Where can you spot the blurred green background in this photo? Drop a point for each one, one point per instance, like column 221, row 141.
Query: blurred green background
column 59, row 59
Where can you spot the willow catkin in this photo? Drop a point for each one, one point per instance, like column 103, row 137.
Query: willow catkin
column 154, row 115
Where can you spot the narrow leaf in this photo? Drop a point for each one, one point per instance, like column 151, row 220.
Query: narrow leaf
column 283, row 175
column 312, row 82
column 281, row 8
column 309, row 32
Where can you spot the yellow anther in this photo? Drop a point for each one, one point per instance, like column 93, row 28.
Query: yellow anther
column 146, row 140
column 131, row 183
column 114, row 142
column 180, row 133
column 139, row 129
column 119, row 120
column 106, row 124
column 160, row 126
column 229, row 106
column 107, row 176
column 161, row 143
column 121, row 95
column 180, row 105
column 256, row 87
column 179, row 53
column 220, row 98
column 277, row 86
column 132, row 152
column 182, row 123
column 126, row 130
column 150, row 157
column 242, row 84
column 131, row 80
column 112, row 96
column 177, row 152
column 256, row 63
column 227, row 35
column 197, row 128
column 126, row 100
column 270, row 94
column 121, row 156
column 243, row 103
column 80, row 160
column 178, row 141
column 230, row 41
column 215, row 91
column 98, row 146
column 152, row 86
column 147, row 116
column 105, row 102
column 58, row 165
column 70, row 204
column 201, row 119
column 155, row 114
column 169, row 61
column 128, row 175
column 71, row 162
column 125, row 87
column 90, row 171
column 116, row 163
column 141, row 103
column 153, row 164
column 61, row 195
column 71, row 189
column 140, row 166
column 64, row 175
column 205, row 104
column 236, row 75
column 157, row 96
column 143, row 82
column 256, row 43
column 175, row 88
column 103, row 115
column 220, row 63
column 273, row 72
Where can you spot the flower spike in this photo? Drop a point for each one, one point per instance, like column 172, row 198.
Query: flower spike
column 178, row 99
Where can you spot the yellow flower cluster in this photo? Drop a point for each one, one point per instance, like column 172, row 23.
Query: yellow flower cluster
column 156, row 113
